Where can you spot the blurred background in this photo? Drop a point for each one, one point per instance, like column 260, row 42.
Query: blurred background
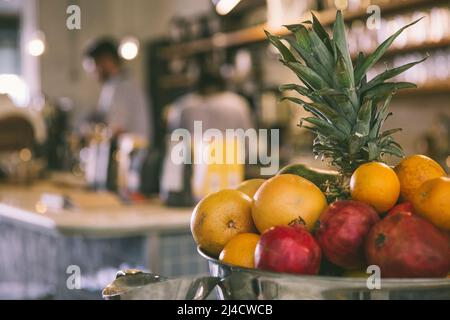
column 72, row 123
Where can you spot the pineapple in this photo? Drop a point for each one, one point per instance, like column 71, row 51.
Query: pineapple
column 347, row 110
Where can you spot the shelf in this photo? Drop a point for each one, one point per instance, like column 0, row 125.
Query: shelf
column 176, row 81
column 431, row 88
column 428, row 88
column 256, row 33
column 419, row 47
column 415, row 48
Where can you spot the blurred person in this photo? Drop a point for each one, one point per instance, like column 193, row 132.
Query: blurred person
column 216, row 108
column 212, row 104
column 124, row 109
column 122, row 105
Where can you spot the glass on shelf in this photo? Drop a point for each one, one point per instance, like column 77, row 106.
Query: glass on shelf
column 440, row 65
column 418, row 33
column 434, row 28
column 439, row 20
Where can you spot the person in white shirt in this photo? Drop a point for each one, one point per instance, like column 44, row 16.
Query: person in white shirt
column 213, row 106
column 122, row 105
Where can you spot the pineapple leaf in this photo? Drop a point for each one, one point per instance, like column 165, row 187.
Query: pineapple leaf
column 321, row 51
column 309, row 108
column 386, row 88
column 386, row 141
column 380, row 118
column 294, row 100
column 340, row 40
column 393, row 150
column 307, row 75
column 359, row 60
column 329, row 92
column 378, row 53
column 301, row 35
column 389, row 74
column 301, row 90
column 344, row 81
column 321, row 32
column 390, row 132
column 342, row 78
column 347, row 110
column 396, row 144
column 339, row 122
column 311, row 129
column 310, row 60
column 362, row 127
column 303, row 103
column 285, row 52
column 321, row 111
column 303, row 52
column 373, row 151
column 325, row 128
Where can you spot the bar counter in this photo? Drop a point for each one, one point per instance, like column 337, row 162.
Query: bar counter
column 39, row 244
column 21, row 204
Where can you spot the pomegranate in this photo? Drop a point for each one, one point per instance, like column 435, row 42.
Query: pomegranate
column 342, row 231
column 406, row 207
column 290, row 249
column 407, row 246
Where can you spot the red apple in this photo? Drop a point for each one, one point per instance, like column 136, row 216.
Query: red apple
column 406, row 207
column 407, row 246
column 342, row 232
column 290, row 249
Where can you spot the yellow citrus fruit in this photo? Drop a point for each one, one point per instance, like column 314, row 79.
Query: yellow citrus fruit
column 219, row 217
column 240, row 250
column 432, row 201
column 286, row 199
column 414, row 171
column 249, row 187
column 376, row 184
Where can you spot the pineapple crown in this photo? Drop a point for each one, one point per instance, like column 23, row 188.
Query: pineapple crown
column 348, row 111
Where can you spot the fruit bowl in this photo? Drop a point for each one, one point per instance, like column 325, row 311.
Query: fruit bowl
column 250, row 284
column 235, row 283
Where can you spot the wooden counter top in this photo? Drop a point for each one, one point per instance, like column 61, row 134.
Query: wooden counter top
column 21, row 204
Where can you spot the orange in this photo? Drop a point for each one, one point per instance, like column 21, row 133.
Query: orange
column 414, row 171
column 432, row 201
column 287, row 199
column 249, row 187
column 376, row 184
column 240, row 250
column 219, row 217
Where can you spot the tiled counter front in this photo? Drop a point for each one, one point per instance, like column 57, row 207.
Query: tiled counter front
column 41, row 263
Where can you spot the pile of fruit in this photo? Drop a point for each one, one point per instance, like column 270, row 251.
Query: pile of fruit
column 307, row 221
column 397, row 219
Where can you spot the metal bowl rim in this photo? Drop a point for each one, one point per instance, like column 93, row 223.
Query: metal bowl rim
column 404, row 281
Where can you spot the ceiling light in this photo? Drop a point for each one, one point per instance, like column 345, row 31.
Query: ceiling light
column 224, row 7
column 36, row 46
column 129, row 48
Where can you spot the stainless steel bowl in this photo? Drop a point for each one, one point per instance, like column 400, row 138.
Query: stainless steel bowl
column 244, row 284
column 235, row 283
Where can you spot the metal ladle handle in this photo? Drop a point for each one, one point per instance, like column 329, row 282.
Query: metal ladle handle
column 134, row 284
